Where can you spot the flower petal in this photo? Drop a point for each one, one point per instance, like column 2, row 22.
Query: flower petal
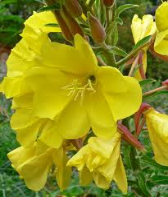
column 73, row 122
column 125, row 104
column 35, row 170
column 161, row 43
column 49, row 96
column 50, row 135
column 101, row 118
column 63, row 173
column 110, row 80
column 53, row 55
column 162, row 16
column 120, row 177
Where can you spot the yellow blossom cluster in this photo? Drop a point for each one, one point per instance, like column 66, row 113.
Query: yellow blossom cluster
column 60, row 94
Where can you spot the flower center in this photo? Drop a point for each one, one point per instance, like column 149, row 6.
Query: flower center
column 77, row 89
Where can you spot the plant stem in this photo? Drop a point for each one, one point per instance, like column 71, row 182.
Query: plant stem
column 155, row 90
column 132, row 54
column 110, row 59
column 133, row 66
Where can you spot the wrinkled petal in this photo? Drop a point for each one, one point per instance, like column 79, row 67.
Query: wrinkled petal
column 20, row 155
column 63, row 172
column 100, row 116
column 35, row 171
column 125, row 104
column 158, row 132
column 40, row 21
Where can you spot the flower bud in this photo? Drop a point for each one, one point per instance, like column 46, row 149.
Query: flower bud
column 74, row 27
column 108, row 3
column 65, row 30
column 73, row 7
column 97, row 30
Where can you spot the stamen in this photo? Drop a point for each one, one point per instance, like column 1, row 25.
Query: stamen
column 76, row 89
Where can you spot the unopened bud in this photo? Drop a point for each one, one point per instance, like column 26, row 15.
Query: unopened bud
column 108, row 3
column 97, row 30
column 74, row 27
column 65, row 30
column 74, row 8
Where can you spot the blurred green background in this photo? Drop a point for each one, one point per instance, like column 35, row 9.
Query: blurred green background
column 12, row 16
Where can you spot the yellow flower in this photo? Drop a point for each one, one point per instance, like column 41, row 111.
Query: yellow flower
column 72, row 89
column 20, row 59
column 100, row 161
column 161, row 42
column 157, row 124
column 141, row 29
column 34, row 164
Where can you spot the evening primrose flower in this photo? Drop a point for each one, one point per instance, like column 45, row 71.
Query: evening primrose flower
column 100, row 161
column 157, row 124
column 140, row 29
column 34, row 164
column 161, row 42
column 71, row 88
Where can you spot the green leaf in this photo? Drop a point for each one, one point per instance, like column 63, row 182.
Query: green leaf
column 142, row 184
column 142, row 42
column 122, row 8
column 2, row 3
column 156, row 94
column 117, row 51
column 119, row 21
column 52, row 25
column 146, row 81
column 50, row 8
column 159, row 179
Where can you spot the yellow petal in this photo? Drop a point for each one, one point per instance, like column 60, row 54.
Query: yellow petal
column 100, row 116
column 110, row 80
column 40, row 21
column 161, row 42
column 20, row 59
column 142, row 28
column 14, row 86
column 85, row 177
column 162, row 16
column 125, row 104
column 73, row 122
column 24, row 101
column 158, row 132
column 35, row 171
column 50, row 135
column 63, row 172
column 22, row 118
column 53, row 99
column 120, row 177
column 53, row 55
column 20, row 155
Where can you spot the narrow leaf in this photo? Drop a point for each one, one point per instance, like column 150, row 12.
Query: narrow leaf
column 122, row 8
